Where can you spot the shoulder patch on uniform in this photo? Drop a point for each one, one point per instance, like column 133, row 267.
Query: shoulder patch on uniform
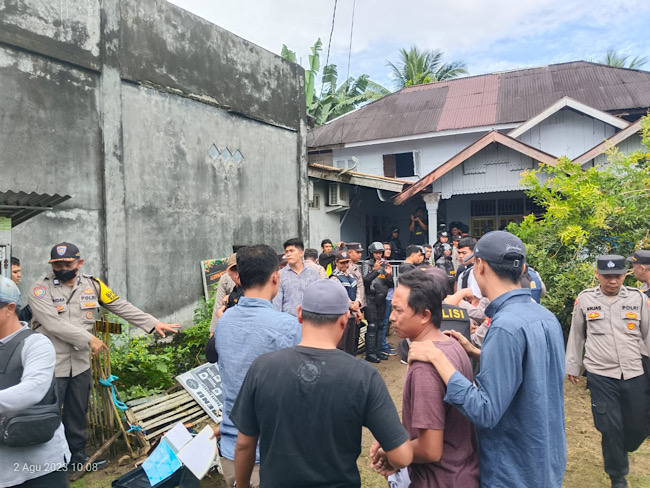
column 106, row 295
column 39, row 291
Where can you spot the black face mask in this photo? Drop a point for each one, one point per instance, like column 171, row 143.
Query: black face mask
column 65, row 275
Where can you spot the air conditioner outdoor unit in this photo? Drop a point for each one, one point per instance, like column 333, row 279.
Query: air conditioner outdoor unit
column 339, row 195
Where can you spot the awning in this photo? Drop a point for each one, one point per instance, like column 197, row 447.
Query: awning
column 21, row 206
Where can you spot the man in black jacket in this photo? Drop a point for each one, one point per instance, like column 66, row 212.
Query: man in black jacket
column 377, row 279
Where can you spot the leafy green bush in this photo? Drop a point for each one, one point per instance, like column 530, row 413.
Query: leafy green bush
column 146, row 364
column 587, row 213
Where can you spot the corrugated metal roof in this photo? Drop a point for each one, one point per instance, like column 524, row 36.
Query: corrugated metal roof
column 21, row 206
column 484, row 100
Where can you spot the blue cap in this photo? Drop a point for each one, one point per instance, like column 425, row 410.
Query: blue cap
column 9, row 292
column 325, row 297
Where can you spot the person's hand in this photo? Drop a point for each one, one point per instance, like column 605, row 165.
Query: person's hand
column 220, row 311
column 161, row 327
column 224, row 300
column 376, row 266
column 97, row 345
column 424, row 351
column 215, row 432
column 472, row 327
column 379, row 460
column 574, row 379
column 355, row 306
column 467, row 293
column 389, row 269
column 460, row 338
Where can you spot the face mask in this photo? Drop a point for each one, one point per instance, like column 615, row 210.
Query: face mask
column 66, row 275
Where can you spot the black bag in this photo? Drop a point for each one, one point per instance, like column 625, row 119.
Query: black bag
column 32, row 425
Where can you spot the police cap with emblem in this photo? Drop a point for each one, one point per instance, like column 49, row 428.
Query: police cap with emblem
column 354, row 246
column 64, row 251
column 610, row 264
column 640, row 257
column 342, row 256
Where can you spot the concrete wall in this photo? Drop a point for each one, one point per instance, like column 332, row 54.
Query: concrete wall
column 175, row 137
column 322, row 224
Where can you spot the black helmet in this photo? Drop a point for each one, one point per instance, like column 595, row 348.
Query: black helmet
column 394, row 229
column 376, row 247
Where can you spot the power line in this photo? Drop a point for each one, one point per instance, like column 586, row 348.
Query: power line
column 329, row 44
column 347, row 77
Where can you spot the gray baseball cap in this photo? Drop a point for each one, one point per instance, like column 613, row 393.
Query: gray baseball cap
column 9, row 292
column 494, row 246
column 325, row 297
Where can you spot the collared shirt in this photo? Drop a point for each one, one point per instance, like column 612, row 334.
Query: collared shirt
column 67, row 316
column 322, row 274
column 518, row 403
column 21, row 464
column 613, row 333
column 355, row 271
column 292, row 287
column 225, row 287
column 247, row 331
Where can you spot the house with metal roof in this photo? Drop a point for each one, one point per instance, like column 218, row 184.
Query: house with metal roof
column 458, row 147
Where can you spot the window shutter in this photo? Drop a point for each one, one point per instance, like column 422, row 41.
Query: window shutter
column 389, row 165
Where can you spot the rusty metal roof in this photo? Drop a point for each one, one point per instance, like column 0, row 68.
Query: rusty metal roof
column 485, row 100
column 21, row 206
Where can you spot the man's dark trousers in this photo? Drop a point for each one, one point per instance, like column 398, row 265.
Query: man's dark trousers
column 619, row 411
column 74, row 393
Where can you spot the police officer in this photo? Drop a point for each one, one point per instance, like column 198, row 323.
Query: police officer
column 641, row 267
column 378, row 279
column 66, row 304
column 611, row 322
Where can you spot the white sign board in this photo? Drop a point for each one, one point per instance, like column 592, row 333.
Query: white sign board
column 204, row 384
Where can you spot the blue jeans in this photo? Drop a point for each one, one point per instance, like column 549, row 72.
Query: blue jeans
column 384, row 345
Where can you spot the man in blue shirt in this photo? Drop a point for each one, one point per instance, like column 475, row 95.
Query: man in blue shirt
column 247, row 331
column 517, row 404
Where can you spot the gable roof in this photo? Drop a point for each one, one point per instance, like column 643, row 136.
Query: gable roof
column 608, row 143
column 489, row 138
column 487, row 101
column 573, row 104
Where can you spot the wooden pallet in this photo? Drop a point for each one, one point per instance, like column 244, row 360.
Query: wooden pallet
column 158, row 414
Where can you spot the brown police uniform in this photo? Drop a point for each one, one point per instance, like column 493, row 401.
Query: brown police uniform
column 614, row 332
column 67, row 315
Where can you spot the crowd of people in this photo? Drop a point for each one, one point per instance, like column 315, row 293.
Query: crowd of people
column 483, row 396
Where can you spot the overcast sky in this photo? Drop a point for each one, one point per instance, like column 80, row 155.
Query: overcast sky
column 489, row 35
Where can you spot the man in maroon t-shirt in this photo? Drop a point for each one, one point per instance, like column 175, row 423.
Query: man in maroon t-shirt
column 444, row 444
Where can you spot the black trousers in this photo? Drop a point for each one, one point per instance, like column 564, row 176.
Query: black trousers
column 55, row 479
column 74, row 393
column 619, row 410
column 375, row 311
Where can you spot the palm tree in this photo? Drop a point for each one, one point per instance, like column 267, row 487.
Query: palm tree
column 416, row 67
column 614, row 58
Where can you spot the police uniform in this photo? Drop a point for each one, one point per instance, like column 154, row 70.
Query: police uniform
column 614, row 332
column 66, row 315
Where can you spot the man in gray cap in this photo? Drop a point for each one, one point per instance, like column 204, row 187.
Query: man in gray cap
column 309, row 402
column 611, row 323
column 641, row 266
column 27, row 379
column 517, row 404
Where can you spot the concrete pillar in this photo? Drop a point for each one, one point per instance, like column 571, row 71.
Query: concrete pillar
column 431, row 202
column 115, row 239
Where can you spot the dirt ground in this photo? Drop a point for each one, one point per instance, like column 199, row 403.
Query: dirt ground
column 584, row 466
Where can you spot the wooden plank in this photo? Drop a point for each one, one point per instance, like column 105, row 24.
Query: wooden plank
column 154, row 422
column 174, row 416
column 158, row 399
column 178, row 403
column 166, row 428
